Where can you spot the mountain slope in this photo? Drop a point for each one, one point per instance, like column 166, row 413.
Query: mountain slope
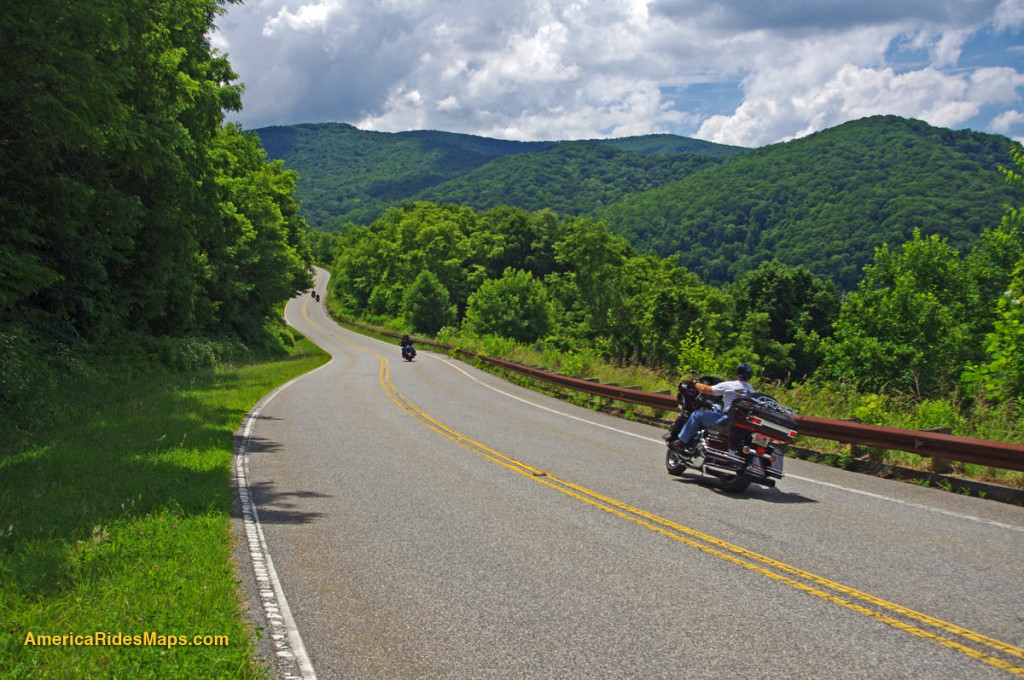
column 672, row 144
column 570, row 178
column 825, row 201
column 352, row 175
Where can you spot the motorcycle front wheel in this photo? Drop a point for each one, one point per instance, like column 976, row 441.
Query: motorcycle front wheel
column 674, row 463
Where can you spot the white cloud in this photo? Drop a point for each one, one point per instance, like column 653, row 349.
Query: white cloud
column 306, row 18
column 549, row 69
column 940, row 99
column 449, row 103
column 793, row 93
column 1011, row 124
column 996, row 84
column 538, row 58
column 1005, row 121
column 1009, row 15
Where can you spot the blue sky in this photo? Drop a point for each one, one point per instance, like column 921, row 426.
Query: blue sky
column 743, row 72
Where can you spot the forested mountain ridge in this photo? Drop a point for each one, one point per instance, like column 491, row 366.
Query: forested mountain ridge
column 825, row 201
column 352, row 175
column 570, row 178
column 671, row 144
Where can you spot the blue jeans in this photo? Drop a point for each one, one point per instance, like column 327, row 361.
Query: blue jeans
column 700, row 419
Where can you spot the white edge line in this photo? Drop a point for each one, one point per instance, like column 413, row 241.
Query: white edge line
column 449, row 362
column 289, row 649
column 910, row 504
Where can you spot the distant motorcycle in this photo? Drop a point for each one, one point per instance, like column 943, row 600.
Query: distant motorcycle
column 748, row 449
column 408, row 352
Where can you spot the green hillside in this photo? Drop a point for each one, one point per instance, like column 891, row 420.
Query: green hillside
column 825, row 201
column 671, row 144
column 482, row 145
column 570, row 178
column 352, row 175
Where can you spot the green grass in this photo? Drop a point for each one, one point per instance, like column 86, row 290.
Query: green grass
column 119, row 521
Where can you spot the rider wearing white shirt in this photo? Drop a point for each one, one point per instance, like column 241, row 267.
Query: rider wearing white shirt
column 729, row 391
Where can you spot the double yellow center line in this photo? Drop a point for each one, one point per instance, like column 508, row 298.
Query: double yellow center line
column 952, row 636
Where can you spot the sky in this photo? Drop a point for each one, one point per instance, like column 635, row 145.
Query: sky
column 740, row 72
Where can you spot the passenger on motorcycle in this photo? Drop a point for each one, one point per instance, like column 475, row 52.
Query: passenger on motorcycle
column 679, row 435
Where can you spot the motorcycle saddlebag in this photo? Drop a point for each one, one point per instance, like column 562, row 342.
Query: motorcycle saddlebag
column 757, row 418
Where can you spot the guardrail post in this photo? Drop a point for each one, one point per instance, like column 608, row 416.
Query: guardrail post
column 858, row 450
column 940, row 465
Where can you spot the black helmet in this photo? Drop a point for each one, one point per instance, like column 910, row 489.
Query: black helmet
column 744, row 371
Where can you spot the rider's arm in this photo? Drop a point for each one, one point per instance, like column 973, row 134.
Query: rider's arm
column 704, row 389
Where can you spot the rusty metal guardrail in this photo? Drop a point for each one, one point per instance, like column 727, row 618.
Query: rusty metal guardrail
column 1003, row 455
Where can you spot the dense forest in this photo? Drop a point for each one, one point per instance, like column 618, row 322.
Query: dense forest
column 825, row 201
column 571, row 178
column 926, row 319
column 351, row 175
column 129, row 211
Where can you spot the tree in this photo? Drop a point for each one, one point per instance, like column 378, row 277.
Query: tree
column 515, row 306
column 389, row 255
column 1001, row 374
column 797, row 306
column 109, row 110
column 912, row 324
column 427, row 304
column 256, row 255
column 660, row 303
column 591, row 260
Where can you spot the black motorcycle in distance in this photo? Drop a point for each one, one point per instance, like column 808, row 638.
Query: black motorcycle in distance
column 748, row 449
column 408, row 352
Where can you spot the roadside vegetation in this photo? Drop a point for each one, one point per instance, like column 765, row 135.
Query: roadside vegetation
column 148, row 248
column 116, row 515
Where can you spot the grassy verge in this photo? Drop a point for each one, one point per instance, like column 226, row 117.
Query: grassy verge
column 118, row 521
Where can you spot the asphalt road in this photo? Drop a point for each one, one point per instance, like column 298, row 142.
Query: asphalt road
column 428, row 520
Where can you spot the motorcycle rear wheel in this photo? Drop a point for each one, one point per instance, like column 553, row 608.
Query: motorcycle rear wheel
column 674, row 463
column 735, row 483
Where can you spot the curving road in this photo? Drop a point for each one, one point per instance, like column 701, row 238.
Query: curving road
column 428, row 520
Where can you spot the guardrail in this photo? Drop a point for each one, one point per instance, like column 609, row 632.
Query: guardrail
column 1003, row 455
